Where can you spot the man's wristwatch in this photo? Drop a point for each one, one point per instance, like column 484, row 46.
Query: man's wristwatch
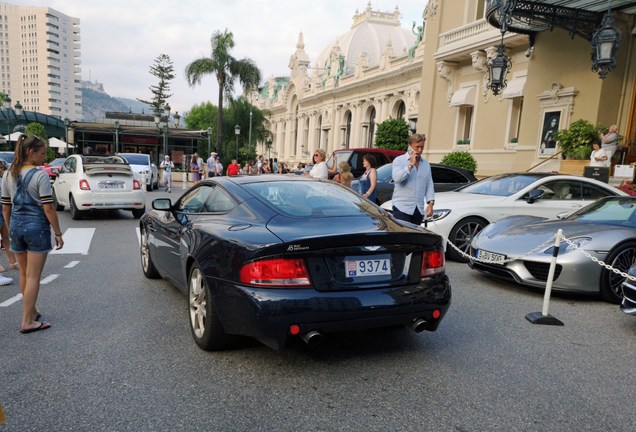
column 410, row 166
column 431, row 202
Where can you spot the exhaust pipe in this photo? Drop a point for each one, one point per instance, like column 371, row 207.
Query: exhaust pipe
column 418, row 325
column 312, row 338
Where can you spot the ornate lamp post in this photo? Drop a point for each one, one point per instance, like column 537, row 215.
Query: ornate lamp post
column 249, row 139
column 498, row 68
column 176, row 118
column 17, row 110
column 237, row 132
column 67, row 123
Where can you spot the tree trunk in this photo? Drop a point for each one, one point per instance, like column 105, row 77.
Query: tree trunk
column 219, row 121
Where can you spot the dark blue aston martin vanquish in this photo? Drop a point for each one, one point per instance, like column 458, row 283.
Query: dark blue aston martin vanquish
column 276, row 257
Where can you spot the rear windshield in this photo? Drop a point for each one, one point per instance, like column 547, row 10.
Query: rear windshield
column 140, row 159
column 7, row 156
column 309, row 198
column 104, row 160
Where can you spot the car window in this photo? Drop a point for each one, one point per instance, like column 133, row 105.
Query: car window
column 619, row 211
column 502, row 185
column 447, row 175
column 594, row 192
column 308, row 198
column 561, row 190
column 356, row 161
column 70, row 166
column 385, row 173
column 206, row 199
column 137, row 159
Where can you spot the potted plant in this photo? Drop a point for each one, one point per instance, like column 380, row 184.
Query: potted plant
column 575, row 143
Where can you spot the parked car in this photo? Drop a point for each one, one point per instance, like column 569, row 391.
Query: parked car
column 143, row 166
column 281, row 256
column 445, row 177
column 8, row 157
column 604, row 230
column 86, row 183
column 628, row 304
column 459, row 215
column 53, row 167
column 354, row 157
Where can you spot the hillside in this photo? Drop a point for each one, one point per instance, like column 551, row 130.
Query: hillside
column 96, row 103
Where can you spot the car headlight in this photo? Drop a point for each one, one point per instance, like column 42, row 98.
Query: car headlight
column 564, row 247
column 440, row 214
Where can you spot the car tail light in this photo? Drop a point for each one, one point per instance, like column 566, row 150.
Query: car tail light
column 136, row 184
column 433, row 262
column 278, row 271
column 84, row 185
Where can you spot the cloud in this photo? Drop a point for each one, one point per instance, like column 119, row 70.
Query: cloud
column 121, row 38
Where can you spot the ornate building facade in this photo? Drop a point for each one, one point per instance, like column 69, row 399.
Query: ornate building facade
column 367, row 75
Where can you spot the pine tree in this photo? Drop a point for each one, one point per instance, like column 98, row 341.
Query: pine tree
column 164, row 70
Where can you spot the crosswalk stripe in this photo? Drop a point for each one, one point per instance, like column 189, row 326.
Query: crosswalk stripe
column 9, row 302
column 76, row 241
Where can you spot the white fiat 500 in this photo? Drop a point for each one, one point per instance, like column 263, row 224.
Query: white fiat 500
column 87, row 183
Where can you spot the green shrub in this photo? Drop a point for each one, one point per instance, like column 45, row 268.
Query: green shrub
column 392, row 134
column 460, row 159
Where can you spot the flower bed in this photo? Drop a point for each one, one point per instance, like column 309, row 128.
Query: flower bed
column 628, row 187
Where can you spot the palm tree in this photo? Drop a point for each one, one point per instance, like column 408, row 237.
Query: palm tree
column 227, row 69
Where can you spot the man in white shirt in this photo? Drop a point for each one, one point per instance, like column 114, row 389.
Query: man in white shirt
column 413, row 183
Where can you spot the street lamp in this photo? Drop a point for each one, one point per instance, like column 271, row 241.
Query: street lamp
column 249, row 139
column 116, row 136
column 209, row 138
column 176, row 118
column 605, row 42
column 498, row 68
column 17, row 110
column 67, row 123
column 237, row 132
column 269, row 149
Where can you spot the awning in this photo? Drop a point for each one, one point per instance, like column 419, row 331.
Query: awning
column 463, row 96
column 514, row 88
column 57, row 143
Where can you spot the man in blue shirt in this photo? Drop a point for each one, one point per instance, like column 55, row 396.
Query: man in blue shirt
column 413, row 183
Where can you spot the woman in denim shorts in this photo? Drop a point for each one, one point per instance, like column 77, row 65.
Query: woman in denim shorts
column 29, row 214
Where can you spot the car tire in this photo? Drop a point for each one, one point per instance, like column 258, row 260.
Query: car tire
column 137, row 213
column 76, row 214
column 149, row 187
column 621, row 257
column 147, row 265
column 462, row 235
column 207, row 329
column 56, row 203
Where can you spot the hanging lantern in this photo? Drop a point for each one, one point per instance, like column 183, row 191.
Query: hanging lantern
column 498, row 68
column 605, row 42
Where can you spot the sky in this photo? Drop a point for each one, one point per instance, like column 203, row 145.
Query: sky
column 120, row 39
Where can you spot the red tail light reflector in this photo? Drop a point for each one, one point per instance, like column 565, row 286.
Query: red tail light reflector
column 437, row 313
column 276, row 272
column 136, row 184
column 433, row 262
column 294, row 329
column 84, row 185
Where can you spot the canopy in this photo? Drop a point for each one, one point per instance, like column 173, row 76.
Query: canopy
column 14, row 136
column 58, row 143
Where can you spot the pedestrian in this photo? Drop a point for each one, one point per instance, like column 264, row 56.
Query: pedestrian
column 259, row 165
column 234, row 168
column 219, row 167
column 319, row 170
column 167, row 166
column 599, row 158
column 344, row 176
column 196, row 168
column 369, row 180
column 13, row 264
column 413, row 183
column 27, row 207
column 610, row 141
column 211, row 164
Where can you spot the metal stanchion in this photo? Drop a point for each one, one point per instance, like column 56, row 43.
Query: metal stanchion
column 544, row 317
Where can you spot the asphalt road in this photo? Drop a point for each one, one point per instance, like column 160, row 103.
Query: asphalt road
column 119, row 357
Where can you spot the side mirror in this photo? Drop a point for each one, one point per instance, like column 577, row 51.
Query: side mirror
column 534, row 195
column 162, row 204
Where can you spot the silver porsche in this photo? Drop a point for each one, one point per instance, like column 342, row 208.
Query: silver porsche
column 520, row 248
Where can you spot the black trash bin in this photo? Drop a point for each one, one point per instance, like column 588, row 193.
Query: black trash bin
column 598, row 173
